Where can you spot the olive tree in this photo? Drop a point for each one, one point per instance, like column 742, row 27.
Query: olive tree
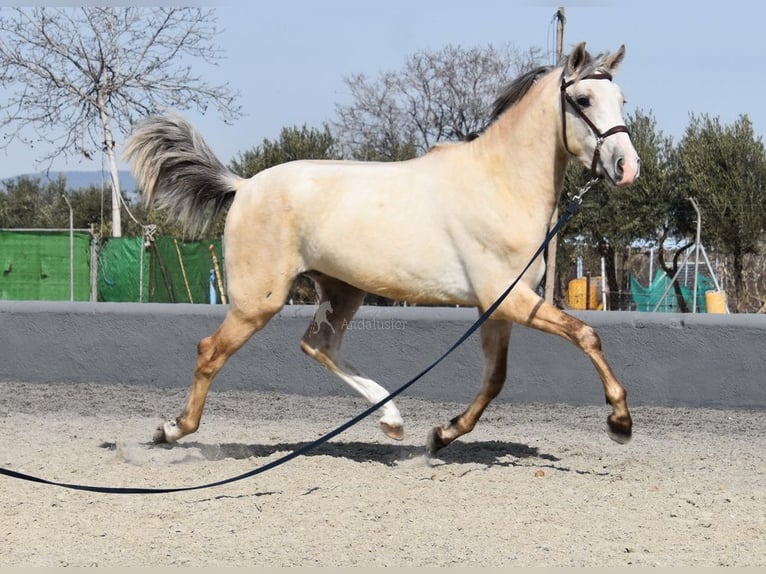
column 614, row 218
column 724, row 168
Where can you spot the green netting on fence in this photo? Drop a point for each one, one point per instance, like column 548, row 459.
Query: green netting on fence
column 35, row 265
column 171, row 260
column 173, row 271
column 646, row 298
column 119, row 270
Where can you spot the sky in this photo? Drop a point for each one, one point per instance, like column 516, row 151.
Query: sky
column 289, row 58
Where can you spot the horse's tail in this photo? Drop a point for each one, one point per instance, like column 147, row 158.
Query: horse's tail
column 175, row 169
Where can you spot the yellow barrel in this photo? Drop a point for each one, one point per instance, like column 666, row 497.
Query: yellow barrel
column 576, row 293
column 715, row 301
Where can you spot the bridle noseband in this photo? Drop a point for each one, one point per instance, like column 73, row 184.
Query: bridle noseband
column 600, row 137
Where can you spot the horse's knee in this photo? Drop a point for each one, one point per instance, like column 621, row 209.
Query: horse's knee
column 206, row 350
column 205, row 347
column 587, row 338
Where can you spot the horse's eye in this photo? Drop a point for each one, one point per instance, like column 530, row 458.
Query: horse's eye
column 583, row 101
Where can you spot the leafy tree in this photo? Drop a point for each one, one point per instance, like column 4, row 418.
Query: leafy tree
column 661, row 208
column 724, row 169
column 27, row 203
column 294, row 143
column 89, row 72
column 437, row 95
column 164, row 226
column 88, row 208
column 614, row 218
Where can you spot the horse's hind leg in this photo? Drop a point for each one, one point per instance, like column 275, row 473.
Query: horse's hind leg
column 212, row 353
column 495, row 337
column 338, row 303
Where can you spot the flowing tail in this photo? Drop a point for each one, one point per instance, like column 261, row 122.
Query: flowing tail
column 177, row 170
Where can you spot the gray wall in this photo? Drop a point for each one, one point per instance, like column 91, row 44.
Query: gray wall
column 663, row 359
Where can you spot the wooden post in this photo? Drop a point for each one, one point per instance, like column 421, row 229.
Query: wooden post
column 183, row 271
column 218, row 274
column 550, row 263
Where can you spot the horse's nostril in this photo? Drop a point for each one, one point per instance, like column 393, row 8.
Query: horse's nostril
column 619, row 165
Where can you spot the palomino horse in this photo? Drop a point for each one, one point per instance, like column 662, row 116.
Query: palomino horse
column 453, row 226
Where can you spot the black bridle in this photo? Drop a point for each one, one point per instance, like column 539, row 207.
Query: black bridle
column 600, row 137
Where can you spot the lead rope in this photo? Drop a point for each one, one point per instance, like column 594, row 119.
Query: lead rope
column 572, row 208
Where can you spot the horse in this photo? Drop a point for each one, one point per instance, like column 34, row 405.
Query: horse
column 450, row 227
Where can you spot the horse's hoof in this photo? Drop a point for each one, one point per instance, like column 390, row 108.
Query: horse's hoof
column 166, row 432
column 159, row 435
column 619, row 431
column 394, row 431
column 434, row 442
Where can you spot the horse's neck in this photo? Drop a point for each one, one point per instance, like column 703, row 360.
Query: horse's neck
column 525, row 145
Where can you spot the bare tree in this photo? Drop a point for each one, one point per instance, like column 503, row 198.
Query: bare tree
column 79, row 76
column 438, row 95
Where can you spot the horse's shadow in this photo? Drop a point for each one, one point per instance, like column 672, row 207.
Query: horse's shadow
column 486, row 453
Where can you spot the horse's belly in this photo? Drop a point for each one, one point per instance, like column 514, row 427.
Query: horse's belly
column 428, row 282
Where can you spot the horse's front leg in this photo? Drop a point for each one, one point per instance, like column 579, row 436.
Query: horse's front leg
column 495, row 337
column 527, row 308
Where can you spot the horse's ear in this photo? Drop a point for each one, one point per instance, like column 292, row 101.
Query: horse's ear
column 577, row 59
column 613, row 61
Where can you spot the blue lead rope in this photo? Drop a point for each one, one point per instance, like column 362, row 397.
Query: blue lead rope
column 571, row 209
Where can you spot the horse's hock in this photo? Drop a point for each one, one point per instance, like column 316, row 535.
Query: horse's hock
column 663, row 359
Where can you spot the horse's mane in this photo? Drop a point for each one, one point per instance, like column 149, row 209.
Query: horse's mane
column 514, row 91
column 509, row 95
column 518, row 88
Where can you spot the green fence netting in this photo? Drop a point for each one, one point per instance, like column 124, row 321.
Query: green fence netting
column 173, row 271
column 35, row 265
column 167, row 281
column 647, row 298
column 119, row 270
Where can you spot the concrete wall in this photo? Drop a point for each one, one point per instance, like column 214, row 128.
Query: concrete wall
column 663, row 359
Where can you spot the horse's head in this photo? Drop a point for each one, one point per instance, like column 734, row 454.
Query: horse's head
column 593, row 128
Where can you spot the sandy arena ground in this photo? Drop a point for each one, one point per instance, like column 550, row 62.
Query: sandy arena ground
column 532, row 485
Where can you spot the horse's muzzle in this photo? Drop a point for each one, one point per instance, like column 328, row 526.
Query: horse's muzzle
column 626, row 170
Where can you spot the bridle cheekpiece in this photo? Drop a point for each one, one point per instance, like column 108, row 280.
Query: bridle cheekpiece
column 600, row 137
